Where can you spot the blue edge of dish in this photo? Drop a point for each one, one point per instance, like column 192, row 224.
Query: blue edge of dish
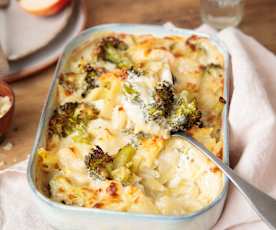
column 135, row 29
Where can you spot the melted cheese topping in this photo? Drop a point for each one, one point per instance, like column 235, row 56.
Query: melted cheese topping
column 166, row 175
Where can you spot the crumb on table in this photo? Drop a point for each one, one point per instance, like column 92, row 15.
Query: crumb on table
column 7, row 146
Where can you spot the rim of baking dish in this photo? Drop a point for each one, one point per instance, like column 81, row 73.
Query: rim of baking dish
column 156, row 30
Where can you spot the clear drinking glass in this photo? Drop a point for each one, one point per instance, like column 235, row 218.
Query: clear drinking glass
column 221, row 13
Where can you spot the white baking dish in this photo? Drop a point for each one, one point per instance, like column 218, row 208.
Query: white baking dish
column 66, row 217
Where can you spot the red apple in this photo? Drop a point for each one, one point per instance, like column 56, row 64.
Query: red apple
column 43, row 7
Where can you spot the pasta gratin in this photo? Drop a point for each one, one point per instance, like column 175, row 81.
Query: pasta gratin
column 118, row 99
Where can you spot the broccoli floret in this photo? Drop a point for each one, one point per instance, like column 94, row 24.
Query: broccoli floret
column 61, row 122
column 103, row 166
column 69, row 81
column 114, row 42
column 112, row 49
column 99, row 163
column 184, row 115
column 68, row 108
column 176, row 112
column 70, row 116
column 155, row 111
column 116, row 57
column 83, row 115
column 163, row 97
column 91, row 76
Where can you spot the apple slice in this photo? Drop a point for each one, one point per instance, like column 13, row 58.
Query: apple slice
column 43, row 7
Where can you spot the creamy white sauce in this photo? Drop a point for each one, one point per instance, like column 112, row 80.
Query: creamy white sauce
column 5, row 105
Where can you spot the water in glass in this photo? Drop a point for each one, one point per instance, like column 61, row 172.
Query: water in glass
column 222, row 13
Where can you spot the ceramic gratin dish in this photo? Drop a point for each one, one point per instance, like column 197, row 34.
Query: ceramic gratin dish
column 66, row 217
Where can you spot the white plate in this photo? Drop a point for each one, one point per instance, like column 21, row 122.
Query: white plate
column 47, row 55
column 25, row 33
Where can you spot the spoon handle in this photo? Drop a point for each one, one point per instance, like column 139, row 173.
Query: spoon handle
column 264, row 205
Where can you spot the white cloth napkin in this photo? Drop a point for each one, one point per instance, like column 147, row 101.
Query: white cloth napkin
column 253, row 147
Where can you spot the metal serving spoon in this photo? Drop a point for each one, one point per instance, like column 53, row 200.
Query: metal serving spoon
column 264, row 205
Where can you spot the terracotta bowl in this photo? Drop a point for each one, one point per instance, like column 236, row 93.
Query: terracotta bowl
column 6, row 120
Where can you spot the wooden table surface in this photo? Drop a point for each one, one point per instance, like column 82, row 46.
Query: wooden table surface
column 259, row 21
